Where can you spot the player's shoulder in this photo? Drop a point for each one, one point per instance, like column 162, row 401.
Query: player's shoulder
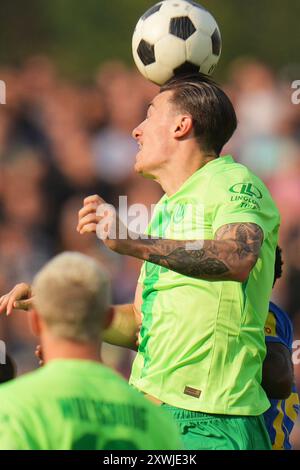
column 18, row 395
column 232, row 169
column 239, row 182
column 278, row 326
column 280, row 315
column 20, row 383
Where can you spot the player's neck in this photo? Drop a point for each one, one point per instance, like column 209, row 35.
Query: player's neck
column 56, row 348
column 175, row 175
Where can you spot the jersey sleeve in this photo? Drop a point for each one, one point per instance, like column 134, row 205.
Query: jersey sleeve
column 240, row 197
column 278, row 328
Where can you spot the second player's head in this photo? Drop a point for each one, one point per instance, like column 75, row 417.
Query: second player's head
column 189, row 109
column 72, row 298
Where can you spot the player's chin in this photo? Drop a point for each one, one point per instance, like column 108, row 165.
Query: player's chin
column 139, row 167
column 141, row 170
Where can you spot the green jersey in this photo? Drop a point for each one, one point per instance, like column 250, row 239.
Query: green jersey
column 202, row 343
column 78, row 404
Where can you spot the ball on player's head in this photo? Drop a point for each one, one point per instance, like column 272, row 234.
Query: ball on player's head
column 176, row 37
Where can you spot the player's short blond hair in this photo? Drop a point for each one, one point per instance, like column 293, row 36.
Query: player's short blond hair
column 72, row 295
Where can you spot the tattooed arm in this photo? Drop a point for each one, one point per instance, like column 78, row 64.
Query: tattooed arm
column 230, row 256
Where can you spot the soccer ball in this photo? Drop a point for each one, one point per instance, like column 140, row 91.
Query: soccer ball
column 175, row 37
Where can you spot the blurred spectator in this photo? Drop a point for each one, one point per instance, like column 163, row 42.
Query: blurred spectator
column 262, row 109
column 125, row 96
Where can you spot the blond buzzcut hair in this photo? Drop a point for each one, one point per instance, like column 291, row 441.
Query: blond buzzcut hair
column 72, row 294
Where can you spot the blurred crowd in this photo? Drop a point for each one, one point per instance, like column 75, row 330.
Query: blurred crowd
column 61, row 141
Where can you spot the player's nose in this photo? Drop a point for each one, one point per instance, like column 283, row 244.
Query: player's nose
column 137, row 133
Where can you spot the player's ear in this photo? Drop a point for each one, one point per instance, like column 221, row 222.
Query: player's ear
column 183, row 126
column 35, row 322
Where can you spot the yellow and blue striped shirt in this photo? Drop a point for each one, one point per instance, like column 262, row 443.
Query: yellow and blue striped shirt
column 281, row 416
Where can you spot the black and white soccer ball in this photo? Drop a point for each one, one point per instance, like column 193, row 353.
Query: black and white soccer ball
column 174, row 37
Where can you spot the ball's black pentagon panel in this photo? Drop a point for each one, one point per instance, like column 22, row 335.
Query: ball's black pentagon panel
column 146, row 52
column 186, row 68
column 196, row 4
column 216, row 42
column 152, row 10
column 182, row 27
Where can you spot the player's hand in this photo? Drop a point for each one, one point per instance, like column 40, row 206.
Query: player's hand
column 19, row 298
column 87, row 217
column 39, row 354
column 96, row 216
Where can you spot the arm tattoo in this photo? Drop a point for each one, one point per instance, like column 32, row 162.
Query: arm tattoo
column 192, row 263
column 233, row 252
column 248, row 237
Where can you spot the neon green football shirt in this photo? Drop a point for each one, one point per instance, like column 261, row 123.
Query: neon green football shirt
column 76, row 404
column 202, row 343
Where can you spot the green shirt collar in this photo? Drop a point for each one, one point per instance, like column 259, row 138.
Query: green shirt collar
column 207, row 168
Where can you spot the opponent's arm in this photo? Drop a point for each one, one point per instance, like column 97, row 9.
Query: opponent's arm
column 230, row 256
column 126, row 322
column 278, row 374
column 19, row 298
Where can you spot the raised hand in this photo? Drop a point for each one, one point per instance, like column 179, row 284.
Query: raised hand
column 96, row 216
column 19, row 298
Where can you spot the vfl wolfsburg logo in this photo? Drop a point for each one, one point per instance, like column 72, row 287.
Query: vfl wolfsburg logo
column 248, row 189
